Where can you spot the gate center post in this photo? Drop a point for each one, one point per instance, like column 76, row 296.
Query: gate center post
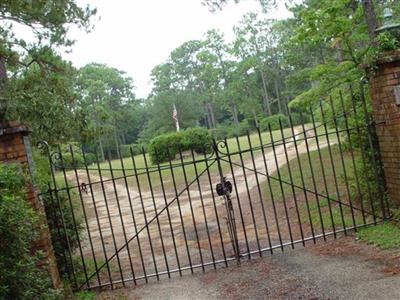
column 224, row 189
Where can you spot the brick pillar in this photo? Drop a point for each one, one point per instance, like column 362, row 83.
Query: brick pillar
column 15, row 148
column 385, row 96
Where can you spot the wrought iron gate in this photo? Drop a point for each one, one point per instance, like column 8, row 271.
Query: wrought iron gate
column 129, row 221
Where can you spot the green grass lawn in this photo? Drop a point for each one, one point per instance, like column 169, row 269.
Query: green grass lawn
column 317, row 172
column 385, row 236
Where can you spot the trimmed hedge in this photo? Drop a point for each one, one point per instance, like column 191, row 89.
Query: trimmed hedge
column 274, row 122
column 165, row 147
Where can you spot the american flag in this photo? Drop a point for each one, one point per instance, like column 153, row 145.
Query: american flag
column 175, row 117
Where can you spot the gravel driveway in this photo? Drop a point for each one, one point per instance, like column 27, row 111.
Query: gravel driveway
column 338, row 269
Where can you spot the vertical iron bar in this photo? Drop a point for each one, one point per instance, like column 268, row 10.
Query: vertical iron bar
column 375, row 152
column 215, row 207
column 51, row 166
column 109, row 219
column 294, row 134
column 73, row 217
column 248, row 195
column 259, row 191
column 180, row 211
column 155, row 211
column 132, row 214
column 97, row 219
column 270, row 189
column 317, row 200
column 342, row 160
column 238, row 199
column 322, row 170
column 280, row 184
column 363, row 154
column 360, row 195
column 203, row 208
column 59, row 234
column 84, row 215
column 191, row 207
column 168, row 214
column 121, row 217
column 291, row 180
column 228, row 205
column 333, row 166
column 144, row 212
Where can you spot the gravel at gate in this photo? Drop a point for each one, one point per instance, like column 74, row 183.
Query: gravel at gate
column 338, row 269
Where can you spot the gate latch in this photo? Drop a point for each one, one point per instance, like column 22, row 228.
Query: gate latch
column 224, row 187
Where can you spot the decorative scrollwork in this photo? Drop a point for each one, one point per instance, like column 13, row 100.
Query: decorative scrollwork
column 43, row 145
column 221, row 145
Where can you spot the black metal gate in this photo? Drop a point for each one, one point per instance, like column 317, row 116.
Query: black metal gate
column 129, row 221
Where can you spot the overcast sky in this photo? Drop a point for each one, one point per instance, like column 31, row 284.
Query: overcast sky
column 136, row 35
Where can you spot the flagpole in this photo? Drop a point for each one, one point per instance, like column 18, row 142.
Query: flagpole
column 175, row 117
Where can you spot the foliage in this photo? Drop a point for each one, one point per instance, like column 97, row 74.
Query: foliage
column 225, row 130
column 59, row 213
column 273, row 121
column 20, row 278
column 132, row 149
column 385, row 236
column 388, row 42
column 166, row 147
column 85, row 295
column 32, row 74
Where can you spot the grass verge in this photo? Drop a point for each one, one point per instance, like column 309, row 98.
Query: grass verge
column 384, row 236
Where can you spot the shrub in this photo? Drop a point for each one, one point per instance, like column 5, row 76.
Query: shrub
column 53, row 214
column 230, row 130
column 20, row 278
column 126, row 149
column 90, row 158
column 69, row 162
column 165, row 147
column 274, row 122
column 196, row 138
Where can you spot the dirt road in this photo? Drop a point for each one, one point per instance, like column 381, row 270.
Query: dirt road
column 192, row 230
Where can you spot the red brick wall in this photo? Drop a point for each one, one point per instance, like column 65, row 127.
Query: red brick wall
column 12, row 150
column 387, row 115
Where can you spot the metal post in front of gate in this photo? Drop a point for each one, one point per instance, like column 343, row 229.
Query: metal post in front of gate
column 224, row 189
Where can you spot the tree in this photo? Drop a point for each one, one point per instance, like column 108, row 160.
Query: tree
column 215, row 43
column 48, row 22
column 45, row 100
column 253, row 39
column 104, row 92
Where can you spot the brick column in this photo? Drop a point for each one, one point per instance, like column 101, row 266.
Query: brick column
column 15, row 148
column 385, row 96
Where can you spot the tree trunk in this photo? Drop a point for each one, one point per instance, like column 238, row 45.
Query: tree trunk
column 255, row 117
column 3, row 82
column 212, row 115
column 370, row 19
column 208, row 120
column 235, row 114
column 278, row 96
column 102, row 156
column 116, row 140
column 267, row 107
